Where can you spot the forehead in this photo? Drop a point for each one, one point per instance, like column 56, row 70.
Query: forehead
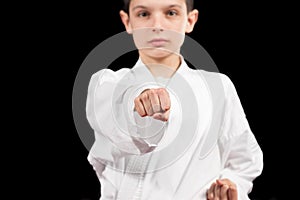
column 157, row 3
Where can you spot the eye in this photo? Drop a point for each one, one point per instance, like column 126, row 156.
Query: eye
column 172, row 13
column 143, row 14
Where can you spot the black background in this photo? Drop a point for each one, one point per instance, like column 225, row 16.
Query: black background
column 242, row 37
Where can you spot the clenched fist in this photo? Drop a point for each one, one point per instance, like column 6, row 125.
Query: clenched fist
column 222, row 189
column 153, row 102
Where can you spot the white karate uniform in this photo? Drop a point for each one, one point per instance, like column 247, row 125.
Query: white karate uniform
column 233, row 154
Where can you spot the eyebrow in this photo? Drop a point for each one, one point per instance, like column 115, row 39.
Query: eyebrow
column 145, row 7
column 139, row 6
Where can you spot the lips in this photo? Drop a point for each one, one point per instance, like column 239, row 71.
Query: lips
column 158, row 42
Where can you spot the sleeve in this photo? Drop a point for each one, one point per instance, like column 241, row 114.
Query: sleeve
column 109, row 110
column 242, row 157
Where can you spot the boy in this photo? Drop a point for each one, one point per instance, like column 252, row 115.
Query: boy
column 136, row 115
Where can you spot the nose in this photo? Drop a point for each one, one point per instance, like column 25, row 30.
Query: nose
column 157, row 29
column 157, row 23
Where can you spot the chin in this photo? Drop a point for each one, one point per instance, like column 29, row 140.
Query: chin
column 157, row 53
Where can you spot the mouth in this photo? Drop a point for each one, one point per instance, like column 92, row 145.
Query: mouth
column 158, row 42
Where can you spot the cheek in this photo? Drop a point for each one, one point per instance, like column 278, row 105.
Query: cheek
column 177, row 39
column 141, row 36
column 178, row 26
column 139, row 24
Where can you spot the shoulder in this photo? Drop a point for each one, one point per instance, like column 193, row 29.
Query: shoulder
column 109, row 75
column 216, row 75
column 215, row 80
column 106, row 76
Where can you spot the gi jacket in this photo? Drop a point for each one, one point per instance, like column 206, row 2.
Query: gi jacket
column 206, row 137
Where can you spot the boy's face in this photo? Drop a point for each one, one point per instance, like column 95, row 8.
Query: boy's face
column 158, row 27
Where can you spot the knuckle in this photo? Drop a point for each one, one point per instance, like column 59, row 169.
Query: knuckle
column 161, row 91
column 141, row 113
column 226, row 180
column 144, row 96
column 151, row 92
column 136, row 100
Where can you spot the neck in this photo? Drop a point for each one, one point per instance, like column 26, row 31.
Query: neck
column 169, row 63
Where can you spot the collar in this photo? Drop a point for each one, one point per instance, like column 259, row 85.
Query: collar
column 183, row 68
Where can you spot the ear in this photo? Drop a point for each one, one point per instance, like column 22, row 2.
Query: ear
column 125, row 19
column 192, row 19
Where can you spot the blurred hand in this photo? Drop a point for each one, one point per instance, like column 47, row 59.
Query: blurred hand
column 222, row 189
column 153, row 102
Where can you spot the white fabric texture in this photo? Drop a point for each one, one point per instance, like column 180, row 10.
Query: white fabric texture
column 235, row 155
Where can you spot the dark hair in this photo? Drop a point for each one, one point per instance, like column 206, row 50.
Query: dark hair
column 189, row 5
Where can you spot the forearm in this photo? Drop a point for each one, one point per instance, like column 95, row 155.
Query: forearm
column 243, row 162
